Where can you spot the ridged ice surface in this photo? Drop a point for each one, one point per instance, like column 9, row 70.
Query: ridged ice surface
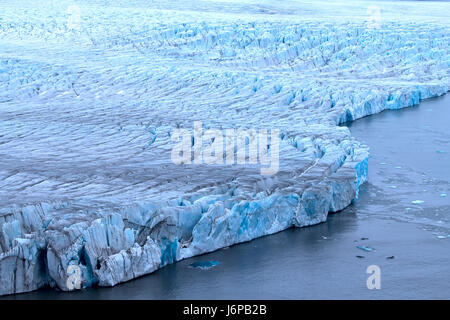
column 88, row 107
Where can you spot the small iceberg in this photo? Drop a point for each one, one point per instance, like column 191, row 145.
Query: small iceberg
column 367, row 249
column 204, row 265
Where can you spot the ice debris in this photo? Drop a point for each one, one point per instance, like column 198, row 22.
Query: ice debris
column 204, row 265
column 365, row 248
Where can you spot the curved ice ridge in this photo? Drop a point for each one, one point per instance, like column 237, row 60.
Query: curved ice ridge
column 86, row 178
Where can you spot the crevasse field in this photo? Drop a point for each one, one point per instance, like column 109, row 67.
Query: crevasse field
column 91, row 92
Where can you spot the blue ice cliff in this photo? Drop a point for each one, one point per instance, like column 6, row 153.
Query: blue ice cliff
column 90, row 96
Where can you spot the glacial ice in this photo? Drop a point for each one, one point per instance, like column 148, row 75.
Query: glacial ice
column 87, row 110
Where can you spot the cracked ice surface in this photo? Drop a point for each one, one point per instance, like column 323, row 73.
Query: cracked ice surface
column 86, row 114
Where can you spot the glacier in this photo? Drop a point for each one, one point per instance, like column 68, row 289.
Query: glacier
column 90, row 94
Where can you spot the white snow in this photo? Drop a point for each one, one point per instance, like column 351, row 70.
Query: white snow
column 86, row 177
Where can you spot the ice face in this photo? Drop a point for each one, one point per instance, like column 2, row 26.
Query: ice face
column 91, row 95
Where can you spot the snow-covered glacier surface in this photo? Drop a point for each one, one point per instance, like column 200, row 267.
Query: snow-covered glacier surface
column 91, row 92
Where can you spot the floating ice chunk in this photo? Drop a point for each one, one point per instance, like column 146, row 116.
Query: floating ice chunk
column 365, row 248
column 417, row 201
column 204, row 265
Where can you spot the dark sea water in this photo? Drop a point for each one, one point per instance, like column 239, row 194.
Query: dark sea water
column 409, row 162
column 402, row 213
